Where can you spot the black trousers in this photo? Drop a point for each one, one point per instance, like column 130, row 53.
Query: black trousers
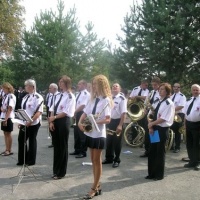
column 60, row 138
column 156, row 158
column 113, row 143
column 193, row 141
column 144, row 124
column 175, row 127
column 79, row 137
column 31, row 150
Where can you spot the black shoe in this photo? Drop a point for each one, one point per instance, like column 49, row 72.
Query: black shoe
column 149, row 177
column 19, row 164
column 50, row 146
column 189, row 165
column 74, row 153
column 144, row 155
column 30, row 164
column 107, row 162
column 157, row 179
column 80, row 156
column 115, row 164
column 176, row 150
column 197, row 168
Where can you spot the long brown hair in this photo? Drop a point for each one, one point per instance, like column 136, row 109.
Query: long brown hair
column 8, row 86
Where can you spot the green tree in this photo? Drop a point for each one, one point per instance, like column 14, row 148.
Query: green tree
column 55, row 46
column 161, row 38
column 11, row 24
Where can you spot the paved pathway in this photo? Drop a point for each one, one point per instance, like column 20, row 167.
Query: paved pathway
column 123, row 183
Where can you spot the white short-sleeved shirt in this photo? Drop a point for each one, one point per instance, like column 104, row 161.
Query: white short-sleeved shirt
column 83, row 98
column 33, row 104
column 136, row 91
column 52, row 100
column 194, row 115
column 166, row 112
column 120, row 106
column 179, row 100
column 8, row 100
column 66, row 104
column 107, row 112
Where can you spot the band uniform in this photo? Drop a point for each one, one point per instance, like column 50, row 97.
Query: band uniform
column 31, row 103
column 114, row 142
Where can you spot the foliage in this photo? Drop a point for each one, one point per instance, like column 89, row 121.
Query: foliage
column 55, row 46
column 161, row 38
column 11, row 24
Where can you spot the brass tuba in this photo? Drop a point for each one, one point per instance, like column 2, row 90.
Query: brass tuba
column 170, row 140
column 134, row 135
column 177, row 118
column 135, row 109
column 182, row 130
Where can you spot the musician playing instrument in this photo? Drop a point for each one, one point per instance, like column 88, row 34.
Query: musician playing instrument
column 7, row 113
column 179, row 100
column 192, row 124
column 118, row 114
column 101, row 98
column 59, row 123
column 140, row 92
column 154, row 94
column 32, row 103
column 163, row 118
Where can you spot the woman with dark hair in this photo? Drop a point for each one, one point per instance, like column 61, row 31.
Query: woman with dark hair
column 62, row 110
column 7, row 113
column 163, row 116
column 100, row 104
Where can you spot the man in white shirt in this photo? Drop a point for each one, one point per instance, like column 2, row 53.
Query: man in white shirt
column 53, row 90
column 82, row 99
column 140, row 93
column 192, row 124
column 179, row 100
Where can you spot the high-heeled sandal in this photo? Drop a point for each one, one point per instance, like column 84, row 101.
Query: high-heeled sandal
column 99, row 189
column 90, row 196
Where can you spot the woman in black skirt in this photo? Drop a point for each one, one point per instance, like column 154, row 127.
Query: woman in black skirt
column 7, row 113
column 99, row 105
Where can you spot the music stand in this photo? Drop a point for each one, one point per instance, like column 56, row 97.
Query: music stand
column 22, row 117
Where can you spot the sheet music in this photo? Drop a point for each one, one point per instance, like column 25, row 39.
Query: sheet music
column 18, row 121
column 21, row 117
column 24, row 115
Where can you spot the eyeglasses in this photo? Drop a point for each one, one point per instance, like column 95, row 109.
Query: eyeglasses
column 176, row 87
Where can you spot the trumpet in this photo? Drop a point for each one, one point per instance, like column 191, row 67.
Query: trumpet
column 89, row 123
column 111, row 132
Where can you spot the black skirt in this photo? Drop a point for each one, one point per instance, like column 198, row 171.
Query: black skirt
column 9, row 127
column 95, row 143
